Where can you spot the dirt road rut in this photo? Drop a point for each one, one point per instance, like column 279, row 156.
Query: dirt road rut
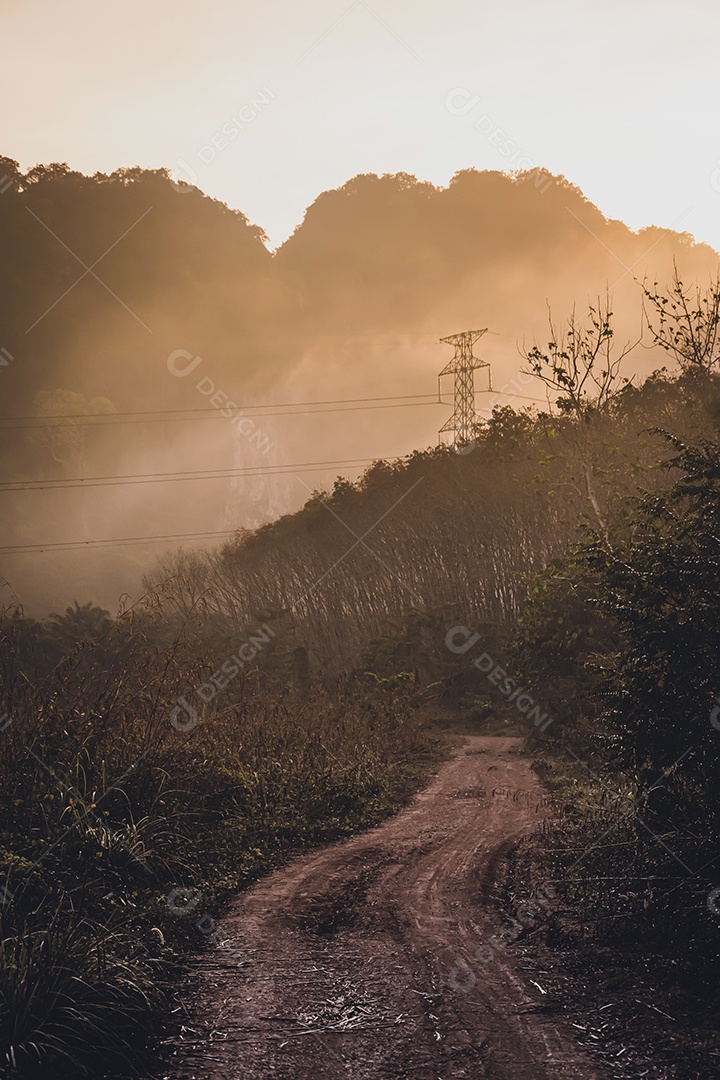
column 370, row 958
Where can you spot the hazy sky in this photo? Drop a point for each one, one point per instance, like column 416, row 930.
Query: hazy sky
column 619, row 97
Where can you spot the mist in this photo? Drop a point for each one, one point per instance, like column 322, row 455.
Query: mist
column 132, row 293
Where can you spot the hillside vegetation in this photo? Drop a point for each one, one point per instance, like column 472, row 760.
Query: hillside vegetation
column 352, row 304
column 273, row 693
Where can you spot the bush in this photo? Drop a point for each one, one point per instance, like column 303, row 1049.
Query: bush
column 110, row 810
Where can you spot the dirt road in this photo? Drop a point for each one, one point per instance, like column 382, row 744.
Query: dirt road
column 370, row 958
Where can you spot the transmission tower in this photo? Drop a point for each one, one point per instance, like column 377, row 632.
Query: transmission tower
column 463, row 365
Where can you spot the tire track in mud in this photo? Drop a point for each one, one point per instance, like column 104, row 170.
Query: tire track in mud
column 368, row 958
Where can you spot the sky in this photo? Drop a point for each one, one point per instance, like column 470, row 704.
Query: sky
column 264, row 106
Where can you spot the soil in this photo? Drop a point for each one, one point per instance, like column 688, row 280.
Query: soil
column 383, row 956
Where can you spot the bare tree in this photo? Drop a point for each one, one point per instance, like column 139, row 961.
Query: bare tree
column 582, row 365
column 685, row 322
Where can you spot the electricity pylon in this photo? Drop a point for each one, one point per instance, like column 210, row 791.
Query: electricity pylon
column 463, row 422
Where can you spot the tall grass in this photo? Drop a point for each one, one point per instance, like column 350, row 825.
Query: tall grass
column 109, row 810
column 623, row 879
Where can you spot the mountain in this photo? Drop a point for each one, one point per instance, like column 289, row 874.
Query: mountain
column 105, row 277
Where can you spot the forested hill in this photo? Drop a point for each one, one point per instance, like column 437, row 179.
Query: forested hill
column 104, row 277
column 438, row 538
column 168, row 266
column 177, row 269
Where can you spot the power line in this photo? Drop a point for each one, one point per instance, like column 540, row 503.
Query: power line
column 180, row 415
column 17, row 549
column 158, row 416
column 271, row 405
column 76, row 482
column 193, row 474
